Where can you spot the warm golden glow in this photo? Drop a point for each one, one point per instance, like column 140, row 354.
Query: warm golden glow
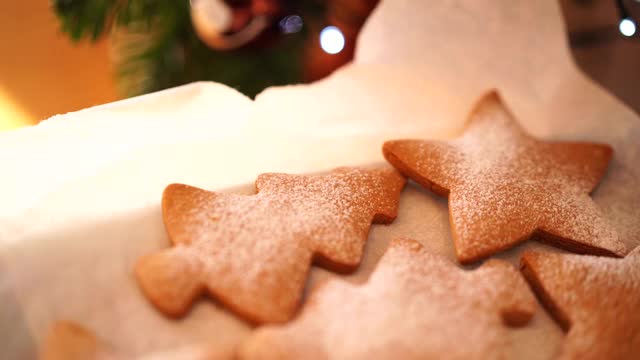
column 11, row 114
column 42, row 73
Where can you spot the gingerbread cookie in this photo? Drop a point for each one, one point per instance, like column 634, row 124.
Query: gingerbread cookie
column 416, row 305
column 595, row 299
column 504, row 186
column 253, row 253
column 69, row 341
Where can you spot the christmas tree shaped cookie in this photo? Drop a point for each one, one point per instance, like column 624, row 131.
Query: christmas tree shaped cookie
column 505, row 186
column 596, row 299
column 416, row 305
column 253, row 253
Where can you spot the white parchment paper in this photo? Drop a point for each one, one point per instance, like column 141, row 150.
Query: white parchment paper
column 80, row 193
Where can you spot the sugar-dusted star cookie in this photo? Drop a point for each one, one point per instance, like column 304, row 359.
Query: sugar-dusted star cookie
column 596, row 299
column 68, row 340
column 416, row 305
column 253, row 253
column 505, row 186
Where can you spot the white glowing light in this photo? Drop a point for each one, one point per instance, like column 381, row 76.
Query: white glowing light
column 627, row 27
column 331, row 40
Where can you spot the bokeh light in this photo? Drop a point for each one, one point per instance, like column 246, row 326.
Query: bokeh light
column 291, row 24
column 627, row 27
column 331, row 40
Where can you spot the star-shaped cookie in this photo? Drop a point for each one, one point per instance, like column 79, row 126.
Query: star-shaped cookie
column 253, row 253
column 596, row 299
column 505, row 186
column 415, row 305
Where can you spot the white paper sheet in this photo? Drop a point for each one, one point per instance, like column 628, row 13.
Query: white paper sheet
column 80, row 192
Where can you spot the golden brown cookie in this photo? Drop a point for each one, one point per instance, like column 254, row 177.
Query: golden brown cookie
column 505, row 186
column 595, row 299
column 69, row 341
column 253, row 253
column 416, row 305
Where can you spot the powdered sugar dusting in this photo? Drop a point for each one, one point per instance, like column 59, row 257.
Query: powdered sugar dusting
column 254, row 252
column 505, row 185
column 415, row 305
column 600, row 296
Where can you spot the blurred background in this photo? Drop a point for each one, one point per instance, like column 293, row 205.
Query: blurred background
column 65, row 55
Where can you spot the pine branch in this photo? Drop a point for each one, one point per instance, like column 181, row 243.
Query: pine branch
column 157, row 47
column 81, row 18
